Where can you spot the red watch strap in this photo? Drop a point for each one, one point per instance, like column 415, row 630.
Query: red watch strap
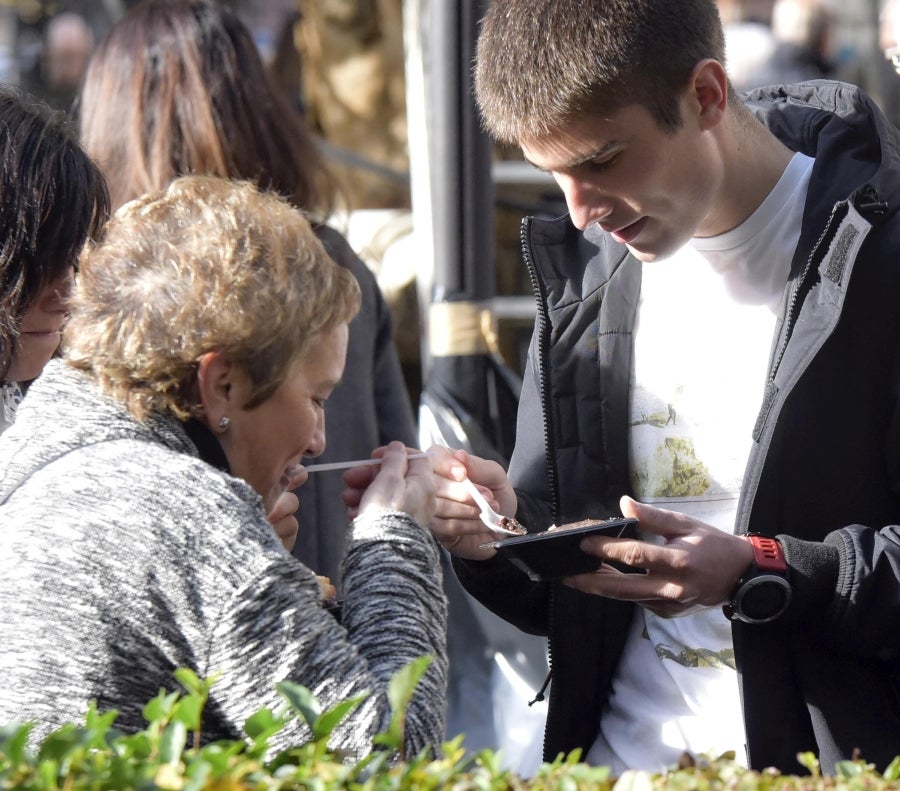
column 768, row 554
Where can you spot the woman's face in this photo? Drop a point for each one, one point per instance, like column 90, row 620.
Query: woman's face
column 263, row 443
column 41, row 330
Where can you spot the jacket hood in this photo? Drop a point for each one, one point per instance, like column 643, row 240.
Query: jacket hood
column 856, row 147
column 65, row 411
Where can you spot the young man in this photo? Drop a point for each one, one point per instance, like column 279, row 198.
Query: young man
column 717, row 334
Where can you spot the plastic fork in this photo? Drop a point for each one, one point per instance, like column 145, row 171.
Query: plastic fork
column 488, row 515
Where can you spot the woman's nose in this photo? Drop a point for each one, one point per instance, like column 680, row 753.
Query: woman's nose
column 317, row 442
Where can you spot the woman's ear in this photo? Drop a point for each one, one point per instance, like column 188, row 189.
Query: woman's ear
column 216, row 390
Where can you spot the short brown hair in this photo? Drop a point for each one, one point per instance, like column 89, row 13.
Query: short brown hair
column 205, row 265
column 540, row 63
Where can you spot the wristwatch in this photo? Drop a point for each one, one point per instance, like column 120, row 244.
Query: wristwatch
column 763, row 593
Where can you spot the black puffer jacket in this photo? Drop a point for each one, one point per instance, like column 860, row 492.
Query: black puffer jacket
column 824, row 471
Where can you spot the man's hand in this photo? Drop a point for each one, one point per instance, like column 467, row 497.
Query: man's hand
column 456, row 523
column 695, row 565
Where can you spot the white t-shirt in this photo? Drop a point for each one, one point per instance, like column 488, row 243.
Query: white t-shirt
column 702, row 345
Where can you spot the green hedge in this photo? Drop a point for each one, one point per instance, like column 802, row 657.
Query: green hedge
column 168, row 755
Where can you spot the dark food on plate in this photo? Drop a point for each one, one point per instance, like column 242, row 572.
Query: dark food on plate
column 508, row 523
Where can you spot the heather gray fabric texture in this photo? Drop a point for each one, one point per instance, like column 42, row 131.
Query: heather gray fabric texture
column 124, row 556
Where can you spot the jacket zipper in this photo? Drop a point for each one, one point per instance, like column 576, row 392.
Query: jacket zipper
column 792, row 311
column 867, row 201
column 543, row 361
column 543, row 355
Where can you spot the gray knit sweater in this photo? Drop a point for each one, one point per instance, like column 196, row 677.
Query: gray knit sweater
column 124, row 556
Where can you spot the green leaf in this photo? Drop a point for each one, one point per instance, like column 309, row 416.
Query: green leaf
column 47, row 771
column 137, row 746
column 14, row 744
column 191, row 681
column 60, row 744
column 892, row 772
column 403, row 683
column 329, row 720
column 811, row 761
column 301, row 700
column 263, row 723
column 100, row 722
column 159, row 708
column 172, row 743
column 189, row 711
column 215, row 757
column 196, row 776
column 400, row 691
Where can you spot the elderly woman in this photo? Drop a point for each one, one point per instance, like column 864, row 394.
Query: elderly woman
column 179, row 87
column 52, row 198
column 209, row 327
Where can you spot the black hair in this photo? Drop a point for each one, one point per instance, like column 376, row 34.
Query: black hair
column 53, row 198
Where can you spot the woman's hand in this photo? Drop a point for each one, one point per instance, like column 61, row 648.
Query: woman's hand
column 397, row 484
column 694, row 565
column 283, row 520
column 282, row 514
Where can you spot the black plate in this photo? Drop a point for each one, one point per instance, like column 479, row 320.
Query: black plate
column 552, row 554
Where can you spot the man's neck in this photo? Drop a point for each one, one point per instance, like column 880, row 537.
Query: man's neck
column 754, row 159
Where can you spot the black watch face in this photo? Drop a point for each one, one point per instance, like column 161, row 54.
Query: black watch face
column 763, row 598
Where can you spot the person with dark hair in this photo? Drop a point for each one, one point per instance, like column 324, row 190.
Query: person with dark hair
column 178, row 87
column 738, row 258
column 52, row 200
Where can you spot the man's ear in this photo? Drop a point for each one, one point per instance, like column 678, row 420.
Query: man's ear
column 216, row 388
column 708, row 91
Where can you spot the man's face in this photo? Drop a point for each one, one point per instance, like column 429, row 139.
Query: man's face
column 650, row 188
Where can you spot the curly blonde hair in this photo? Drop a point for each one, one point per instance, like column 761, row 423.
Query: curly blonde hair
column 204, row 265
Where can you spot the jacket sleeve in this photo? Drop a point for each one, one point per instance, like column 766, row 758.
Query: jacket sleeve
column 273, row 627
column 497, row 584
column 507, row 592
column 848, row 588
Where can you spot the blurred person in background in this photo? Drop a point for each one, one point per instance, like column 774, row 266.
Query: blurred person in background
column 67, row 44
column 804, row 32
column 796, row 45
column 177, row 87
column 749, row 43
